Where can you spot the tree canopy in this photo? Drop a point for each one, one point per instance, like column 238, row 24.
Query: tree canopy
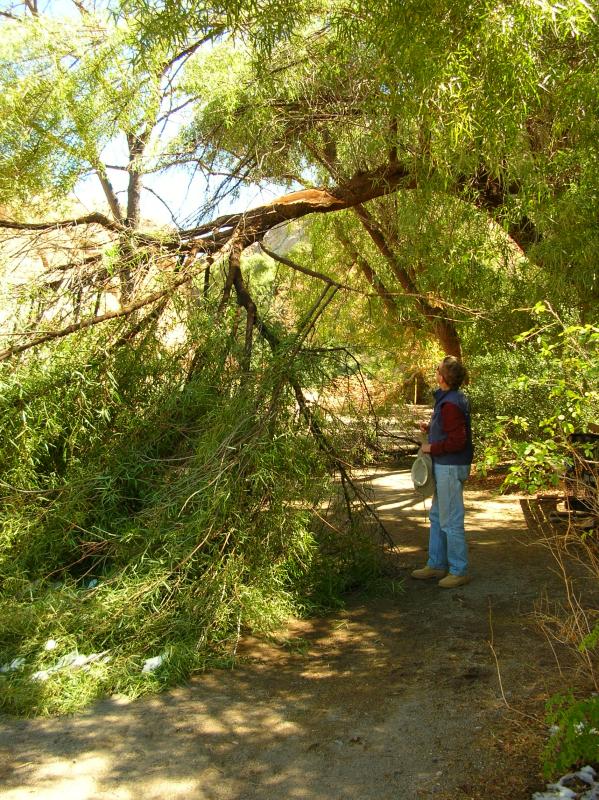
column 488, row 108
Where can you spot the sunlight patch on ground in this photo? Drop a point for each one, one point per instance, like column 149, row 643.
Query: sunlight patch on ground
column 391, row 506
column 395, row 480
column 484, row 542
column 172, row 789
column 60, row 780
column 404, row 548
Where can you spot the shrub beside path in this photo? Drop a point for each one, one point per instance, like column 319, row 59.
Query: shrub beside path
column 429, row 693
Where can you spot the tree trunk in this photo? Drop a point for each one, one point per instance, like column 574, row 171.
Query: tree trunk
column 443, row 328
column 109, row 193
column 447, row 335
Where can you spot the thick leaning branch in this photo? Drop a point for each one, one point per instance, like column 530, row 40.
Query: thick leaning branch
column 253, row 224
column 369, row 273
column 444, row 329
column 491, row 194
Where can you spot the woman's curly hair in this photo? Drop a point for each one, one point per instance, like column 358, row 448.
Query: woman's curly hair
column 453, row 372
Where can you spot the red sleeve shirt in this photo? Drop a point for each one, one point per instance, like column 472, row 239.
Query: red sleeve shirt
column 454, row 425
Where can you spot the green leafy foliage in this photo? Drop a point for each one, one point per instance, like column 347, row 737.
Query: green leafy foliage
column 575, row 737
column 156, row 500
column 144, row 514
column 59, row 108
column 554, row 396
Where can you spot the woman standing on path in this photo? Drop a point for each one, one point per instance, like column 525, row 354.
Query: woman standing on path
column 450, row 447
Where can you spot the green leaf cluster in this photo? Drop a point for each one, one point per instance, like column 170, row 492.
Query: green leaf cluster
column 575, row 738
column 554, row 397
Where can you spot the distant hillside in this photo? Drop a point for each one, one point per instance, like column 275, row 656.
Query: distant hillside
column 285, row 237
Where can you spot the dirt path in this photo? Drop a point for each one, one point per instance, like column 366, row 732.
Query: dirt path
column 391, row 698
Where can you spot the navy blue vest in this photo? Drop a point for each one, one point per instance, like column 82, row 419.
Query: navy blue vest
column 436, row 433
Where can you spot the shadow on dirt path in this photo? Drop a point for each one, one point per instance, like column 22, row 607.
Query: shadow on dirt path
column 399, row 697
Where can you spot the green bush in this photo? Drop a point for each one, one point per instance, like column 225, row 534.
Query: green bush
column 497, row 393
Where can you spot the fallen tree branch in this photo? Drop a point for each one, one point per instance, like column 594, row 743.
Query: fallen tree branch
column 253, row 224
column 234, row 232
column 245, row 299
column 327, row 448
column 151, row 317
column 89, row 219
column 89, row 322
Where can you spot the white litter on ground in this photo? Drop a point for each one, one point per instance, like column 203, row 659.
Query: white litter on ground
column 41, row 675
column 153, row 663
column 562, row 790
column 71, row 662
column 12, row 666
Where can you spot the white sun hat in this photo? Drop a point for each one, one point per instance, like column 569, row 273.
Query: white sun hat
column 423, row 477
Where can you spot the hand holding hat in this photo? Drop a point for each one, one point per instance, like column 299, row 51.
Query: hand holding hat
column 423, row 476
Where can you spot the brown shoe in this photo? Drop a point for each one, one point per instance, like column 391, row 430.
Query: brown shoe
column 453, row 581
column 428, row 572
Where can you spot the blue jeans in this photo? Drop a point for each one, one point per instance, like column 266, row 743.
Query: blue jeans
column 447, row 546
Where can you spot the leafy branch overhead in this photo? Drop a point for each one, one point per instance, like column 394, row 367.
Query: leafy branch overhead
column 481, row 115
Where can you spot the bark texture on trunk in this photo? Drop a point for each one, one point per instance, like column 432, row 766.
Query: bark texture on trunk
column 137, row 145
